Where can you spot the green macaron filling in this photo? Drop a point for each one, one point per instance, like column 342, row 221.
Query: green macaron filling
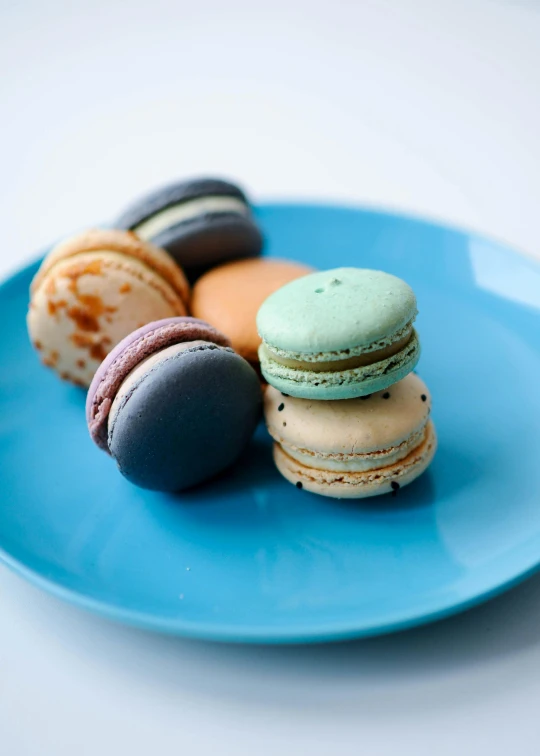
column 350, row 363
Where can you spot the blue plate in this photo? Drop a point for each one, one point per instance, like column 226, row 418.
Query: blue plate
column 250, row 558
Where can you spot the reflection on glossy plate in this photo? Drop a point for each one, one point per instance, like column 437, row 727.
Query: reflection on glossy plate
column 250, row 558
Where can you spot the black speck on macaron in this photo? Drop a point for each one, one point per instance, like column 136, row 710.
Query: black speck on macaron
column 281, row 407
column 423, row 397
column 367, row 396
column 386, row 395
column 299, row 485
column 395, row 487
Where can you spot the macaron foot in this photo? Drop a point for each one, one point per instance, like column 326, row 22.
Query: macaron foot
column 359, row 485
column 341, row 384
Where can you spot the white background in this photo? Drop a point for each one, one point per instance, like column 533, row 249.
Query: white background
column 427, row 107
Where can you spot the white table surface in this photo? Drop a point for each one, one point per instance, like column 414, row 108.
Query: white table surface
column 427, row 107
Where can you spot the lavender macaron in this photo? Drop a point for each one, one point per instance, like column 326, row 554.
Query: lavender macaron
column 173, row 404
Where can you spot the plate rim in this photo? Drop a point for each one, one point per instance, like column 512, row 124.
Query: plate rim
column 259, row 635
column 270, row 634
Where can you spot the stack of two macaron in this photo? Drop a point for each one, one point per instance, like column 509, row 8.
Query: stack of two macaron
column 348, row 416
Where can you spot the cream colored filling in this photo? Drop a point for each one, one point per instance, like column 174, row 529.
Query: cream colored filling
column 355, row 462
column 187, row 211
column 358, row 485
column 142, row 368
column 331, row 366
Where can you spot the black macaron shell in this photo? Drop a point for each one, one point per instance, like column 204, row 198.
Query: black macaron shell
column 211, row 239
column 187, row 420
column 175, row 194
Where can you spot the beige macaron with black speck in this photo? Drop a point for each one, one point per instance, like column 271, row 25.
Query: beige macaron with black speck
column 353, row 448
column 92, row 290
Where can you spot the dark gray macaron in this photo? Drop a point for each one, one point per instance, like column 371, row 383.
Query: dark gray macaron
column 200, row 222
column 173, row 404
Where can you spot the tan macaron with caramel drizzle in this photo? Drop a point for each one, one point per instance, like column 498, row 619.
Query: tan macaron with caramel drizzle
column 92, row 290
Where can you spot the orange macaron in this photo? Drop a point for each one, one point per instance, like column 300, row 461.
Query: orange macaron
column 229, row 296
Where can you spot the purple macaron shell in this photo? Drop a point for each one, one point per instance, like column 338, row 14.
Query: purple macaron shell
column 138, row 345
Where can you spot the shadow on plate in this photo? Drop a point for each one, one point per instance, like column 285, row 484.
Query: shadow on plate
column 420, row 493
column 254, row 468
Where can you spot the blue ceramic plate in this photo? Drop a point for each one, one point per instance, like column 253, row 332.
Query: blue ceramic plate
column 250, row 558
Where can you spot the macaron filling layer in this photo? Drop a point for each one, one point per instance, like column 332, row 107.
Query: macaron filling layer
column 353, row 435
column 341, row 384
column 361, row 462
column 366, row 462
column 187, row 211
column 354, row 485
column 329, row 364
column 403, row 334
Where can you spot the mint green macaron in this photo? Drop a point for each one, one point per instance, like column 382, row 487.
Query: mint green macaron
column 338, row 334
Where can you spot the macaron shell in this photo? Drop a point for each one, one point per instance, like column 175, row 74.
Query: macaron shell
column 173, row 194
column 130, row 352
column 212, row 400
column 211, row 240
column 207, row 239
column 341, row 384
column 123, row 242
column 230, row 296
column 355, row 426
column 139, row 373
column 359, row 485
column 348, row 310
column 83, row 305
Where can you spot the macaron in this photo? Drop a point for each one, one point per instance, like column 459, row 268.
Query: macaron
column 94, row 289
column 355, row 448
column 201, row 222
column 230, row 295
column 173, row 404
column 338, row 334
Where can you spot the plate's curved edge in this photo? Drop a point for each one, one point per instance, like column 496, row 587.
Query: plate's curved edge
column 273, row 635
column 270, row 636
column 404, row 215
column 11, row 275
